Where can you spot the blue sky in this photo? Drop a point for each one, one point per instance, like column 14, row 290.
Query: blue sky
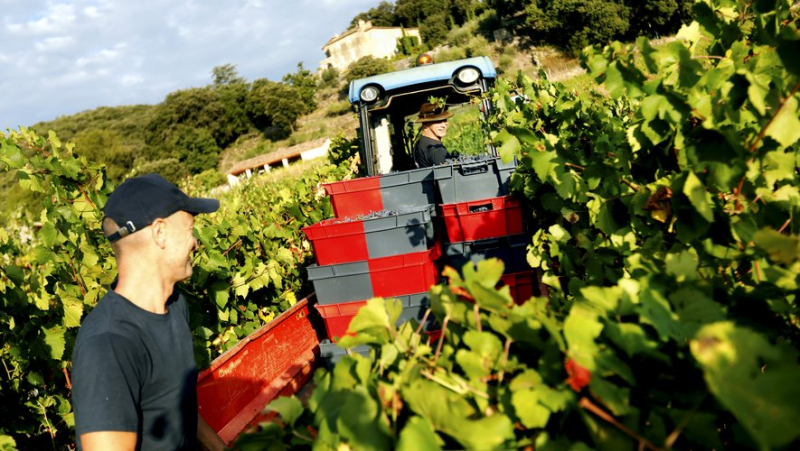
column 62, row 57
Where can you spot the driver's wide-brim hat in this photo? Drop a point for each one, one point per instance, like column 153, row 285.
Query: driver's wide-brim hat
column 429, row 112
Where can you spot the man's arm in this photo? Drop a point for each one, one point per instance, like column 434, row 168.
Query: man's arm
column 105, row 440
column 208, row 438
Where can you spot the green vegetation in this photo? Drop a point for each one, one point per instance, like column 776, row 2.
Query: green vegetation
column 249, row 268
column 574, row 24
column 367, row 66
column 666, row 232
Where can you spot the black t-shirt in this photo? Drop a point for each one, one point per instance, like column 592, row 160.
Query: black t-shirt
column 429, row 152
column 134, row 371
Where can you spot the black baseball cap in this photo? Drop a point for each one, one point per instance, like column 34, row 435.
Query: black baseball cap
column 139, row 201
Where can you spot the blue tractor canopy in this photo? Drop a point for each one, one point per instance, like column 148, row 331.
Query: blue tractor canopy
column 387, row 105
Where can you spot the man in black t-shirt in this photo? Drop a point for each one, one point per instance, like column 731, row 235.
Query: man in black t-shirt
column 429, row 150
column 134, row 373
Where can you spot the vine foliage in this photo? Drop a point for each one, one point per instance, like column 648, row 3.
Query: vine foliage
column 249, row 268
column 666, row 229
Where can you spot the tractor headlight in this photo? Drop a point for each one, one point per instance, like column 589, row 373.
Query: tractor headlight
column 468, row 75
column 369, row 94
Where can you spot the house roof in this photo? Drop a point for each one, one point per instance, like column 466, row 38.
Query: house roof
column 275, row 156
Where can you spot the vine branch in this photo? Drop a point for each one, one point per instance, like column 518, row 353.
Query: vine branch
column 772, row 119
column 593, row 408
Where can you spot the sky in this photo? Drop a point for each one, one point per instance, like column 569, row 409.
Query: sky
column 60, row 57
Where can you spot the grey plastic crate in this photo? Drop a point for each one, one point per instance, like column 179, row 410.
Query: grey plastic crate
column 343, row 282
column 414, row 307
column 330, row 353
column 408, row 189
column 406, row 232
column 464, row 182
column 512, row 250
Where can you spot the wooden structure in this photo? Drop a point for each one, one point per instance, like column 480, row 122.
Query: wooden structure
column 263, row 163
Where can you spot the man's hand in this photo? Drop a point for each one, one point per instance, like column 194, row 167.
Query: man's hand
column 209, row 440
column 105, row 440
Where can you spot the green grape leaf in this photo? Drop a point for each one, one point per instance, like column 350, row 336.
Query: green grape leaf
column 358, row 423
column 54, row 339
column 781, row 248
column 756, row 380
column 785, row 126
column 682, row 265
column 698, row 196
column 418, row 434
column 73, row 311
column 528, row 409
column 288, row 407
column 221, row 291
column 580, row 329
column 374, row 323
column 510, row 146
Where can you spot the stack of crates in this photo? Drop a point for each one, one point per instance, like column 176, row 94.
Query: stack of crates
column 392, row 234
column 381, row 243
column 480, row 220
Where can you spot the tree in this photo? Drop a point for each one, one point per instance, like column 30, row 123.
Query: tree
column 574, row 24
column 198, row 108
column 169, row 168
column 275, row 104
column 105, row 146
column 367, row 66
column 306, row 83
column 212, row 113
column 657, row 17
column 195, row 148
column 226, row 75
column 381, row 16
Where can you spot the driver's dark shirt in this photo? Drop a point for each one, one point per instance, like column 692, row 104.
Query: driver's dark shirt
column 430, row 152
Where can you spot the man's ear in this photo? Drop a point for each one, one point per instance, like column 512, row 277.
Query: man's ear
column 160, row 232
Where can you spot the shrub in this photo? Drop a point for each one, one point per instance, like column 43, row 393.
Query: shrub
column 450, row 54
column 169, row 168
column 338, row 108
column 477, row 46
column 505, row 63
column 367, row 66
column 329, row 77
column 205, row 181
column 407, row 45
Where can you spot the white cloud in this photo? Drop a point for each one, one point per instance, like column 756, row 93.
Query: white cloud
column 92, row 11
column 52, row 44
column 56, row 19
column 101, row 57
column 73, row 55
column 129, row 80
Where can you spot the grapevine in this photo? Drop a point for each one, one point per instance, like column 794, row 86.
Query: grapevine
column 666, row 229
column 249, row 268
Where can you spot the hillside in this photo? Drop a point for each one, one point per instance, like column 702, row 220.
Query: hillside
column 201, row 132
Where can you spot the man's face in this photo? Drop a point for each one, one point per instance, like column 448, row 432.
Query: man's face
column 439, row 129
column 181, row 243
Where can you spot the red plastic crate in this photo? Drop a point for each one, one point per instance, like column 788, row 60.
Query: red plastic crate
column 397, row 275
column 404, row 274
column 482, row 219
column 335, row 241
column 520, row 284
column 337, row 317
column 350, row 198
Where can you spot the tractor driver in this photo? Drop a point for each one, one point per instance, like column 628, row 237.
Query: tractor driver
column 429, row 150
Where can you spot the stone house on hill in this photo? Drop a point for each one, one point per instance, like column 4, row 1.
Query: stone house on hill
column 348, row 47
